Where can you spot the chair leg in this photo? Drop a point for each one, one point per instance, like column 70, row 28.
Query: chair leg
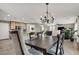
column 61, row 51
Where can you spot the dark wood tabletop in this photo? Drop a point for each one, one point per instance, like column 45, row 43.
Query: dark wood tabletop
column 42, row 44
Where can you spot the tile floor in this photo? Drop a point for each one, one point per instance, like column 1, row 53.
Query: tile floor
column 7, row 47
column 71, row 48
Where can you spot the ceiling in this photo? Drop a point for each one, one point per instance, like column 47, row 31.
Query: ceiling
column 33, row 11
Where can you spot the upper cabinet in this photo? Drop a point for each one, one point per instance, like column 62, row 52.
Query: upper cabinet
column 14, row 24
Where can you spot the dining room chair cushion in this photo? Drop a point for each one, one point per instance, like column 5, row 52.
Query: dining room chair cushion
column 52, row 50
column 34, row 51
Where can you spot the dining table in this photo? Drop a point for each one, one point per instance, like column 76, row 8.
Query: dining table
column 42, row 44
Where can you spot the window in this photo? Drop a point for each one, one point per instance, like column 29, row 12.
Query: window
column 4, row 30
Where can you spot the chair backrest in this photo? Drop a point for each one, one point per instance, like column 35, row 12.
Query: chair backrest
column 30, row 34
column 61, row 38
column 49, row 33
column 39, row 34
column 22, row 40
column 60, row 42
column 57, row 44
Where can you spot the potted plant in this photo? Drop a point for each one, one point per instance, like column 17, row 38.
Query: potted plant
column 72, row 34
column 67, row 33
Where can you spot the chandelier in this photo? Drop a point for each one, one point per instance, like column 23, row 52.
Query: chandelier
column 47, row 19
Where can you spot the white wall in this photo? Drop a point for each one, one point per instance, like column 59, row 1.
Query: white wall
column 65, row 20
column 66, row 25
column 4, row 30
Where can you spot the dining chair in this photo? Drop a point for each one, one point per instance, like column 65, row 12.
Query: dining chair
column 48, row 33
column 57, row 48
column 39, row 34
column 32, row 35
column 22, row 40
column 26, row 49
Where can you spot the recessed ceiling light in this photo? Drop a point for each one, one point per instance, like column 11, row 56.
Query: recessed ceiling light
column 8, row 15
